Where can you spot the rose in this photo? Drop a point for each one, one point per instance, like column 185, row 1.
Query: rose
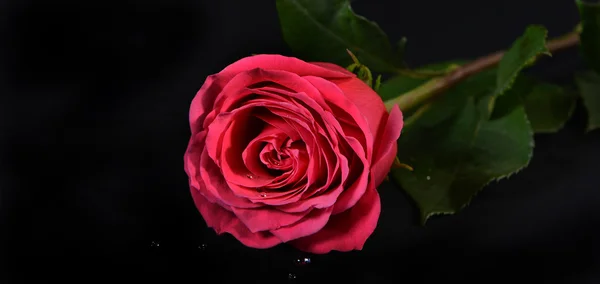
column 285, row 151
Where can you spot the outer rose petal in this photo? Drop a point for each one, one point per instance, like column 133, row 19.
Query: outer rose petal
column 224, row 221
column 312, row 223
column 338, row 97
column 265, row 218
column 283, row 63
column 387, row 146
column 333, row 67
column 345, row 231
column 191, row 158
column 204, row 99
column 367, row 101
column 353, row 194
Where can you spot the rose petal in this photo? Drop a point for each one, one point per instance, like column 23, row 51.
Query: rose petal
column 366, row 100
column 223, row 221
column 215, row 185
column 356, row 190
column 294, row 177
column 191, row 158
column 334, row 67
column 310, row 224
column 288, row 84
column 387, row 146
column 334, row 95
column 193, row 168
column 251, row 156
column 324, row 200
column 279, row 123
column 346, row 231
column 328, row 170
column 266, row 218
column 203, row 101
column 283, row 63
column 227, row 137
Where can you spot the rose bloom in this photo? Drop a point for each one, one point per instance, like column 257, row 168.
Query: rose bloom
column 286, row 151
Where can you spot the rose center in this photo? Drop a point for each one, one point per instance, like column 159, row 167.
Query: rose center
column 276, row 158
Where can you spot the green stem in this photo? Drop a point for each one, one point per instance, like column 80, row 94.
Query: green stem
column 417, row 95
column 437, row 85
column 422, row 74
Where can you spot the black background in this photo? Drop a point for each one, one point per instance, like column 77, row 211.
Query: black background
column 94, row 105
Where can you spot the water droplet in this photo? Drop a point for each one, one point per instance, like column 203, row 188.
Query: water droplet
column 276, row 163
column 154, row 244
column 291, row 276
column 262, row 194
column 202, row 247
column 302, row 261
column 428, row 177
column 249, row 176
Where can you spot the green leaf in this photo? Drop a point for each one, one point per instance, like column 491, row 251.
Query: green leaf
column 589, row 86
column 548, row 106
column 456, row 158
column 456, row 150
column 590, row 32
column 521, row 54
column 322, row 30
column 464, row 139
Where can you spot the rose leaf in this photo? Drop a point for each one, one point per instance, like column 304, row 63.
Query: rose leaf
column 589, row 87
column 478, row 131
column 548, row 106
column 523, row 53
column 590, row 32
column 322, row 30
column 457, row 157
column 456, row 149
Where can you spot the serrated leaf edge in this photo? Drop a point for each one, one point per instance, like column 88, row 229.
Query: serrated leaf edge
column 426, row 217
column 542, row 51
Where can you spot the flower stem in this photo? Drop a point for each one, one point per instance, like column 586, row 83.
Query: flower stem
column 437, row 85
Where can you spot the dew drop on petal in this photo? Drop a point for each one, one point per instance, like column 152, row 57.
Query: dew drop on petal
column 262, row 194
column 249, row 176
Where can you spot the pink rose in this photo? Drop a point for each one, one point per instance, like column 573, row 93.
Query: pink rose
column 285, row 151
